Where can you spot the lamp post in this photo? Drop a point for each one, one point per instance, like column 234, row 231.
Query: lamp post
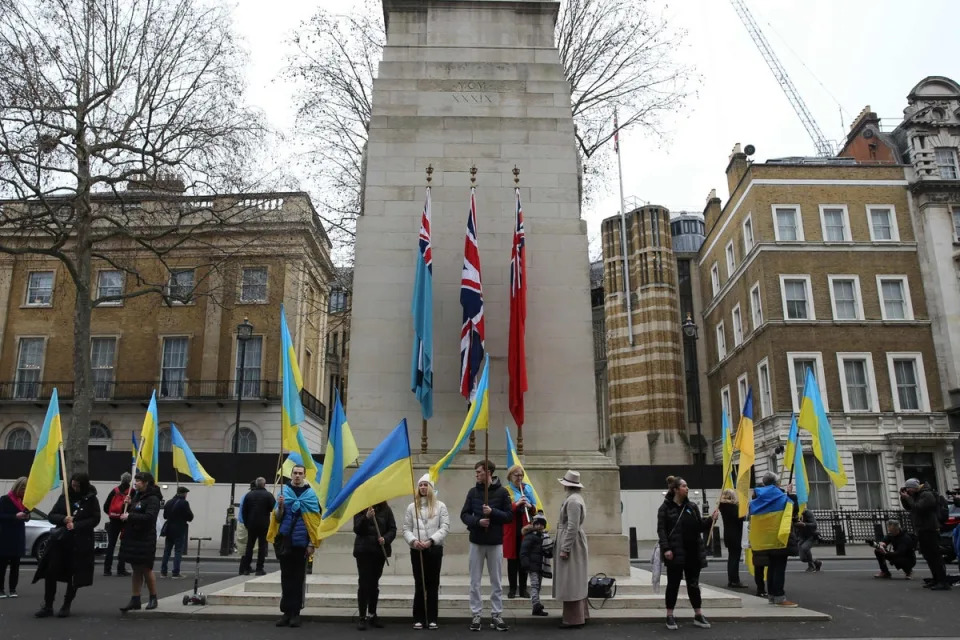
column 227, row 534
column 690, row 333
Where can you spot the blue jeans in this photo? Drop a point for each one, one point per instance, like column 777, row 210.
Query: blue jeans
column 177, row 544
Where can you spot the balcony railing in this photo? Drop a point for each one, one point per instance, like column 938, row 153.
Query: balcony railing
column 186, row 390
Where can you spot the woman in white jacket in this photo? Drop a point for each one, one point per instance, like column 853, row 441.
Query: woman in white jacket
column 425, row 528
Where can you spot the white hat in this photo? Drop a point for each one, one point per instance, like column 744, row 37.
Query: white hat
column 426, row 478
column 571, row 479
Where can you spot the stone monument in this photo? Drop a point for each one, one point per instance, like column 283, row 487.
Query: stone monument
column 467, row 83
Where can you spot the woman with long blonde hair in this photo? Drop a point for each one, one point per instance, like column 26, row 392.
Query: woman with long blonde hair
column 729, row 509
column 524, row 506
column 425, row 527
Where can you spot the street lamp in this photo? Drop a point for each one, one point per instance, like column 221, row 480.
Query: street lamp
column 227, row 534
column 690, row 332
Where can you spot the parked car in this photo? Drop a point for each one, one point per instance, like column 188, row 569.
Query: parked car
column 38, row 530
column 946, row 534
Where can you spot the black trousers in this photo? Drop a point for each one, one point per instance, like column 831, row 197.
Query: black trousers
column 733, row 564
column 758, row 579
column 929, row 543
column 293, row 570
column 258, row 537
column 369, row 570
column 429, row 579
column 14, row 563
column 114, row 528
column 50, row 592
column 777, row 576
column 904, row 563
column 689, row 572
column 516, row 575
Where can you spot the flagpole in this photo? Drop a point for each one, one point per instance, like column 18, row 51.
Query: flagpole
column 516, row 182
column 623, row 230
column 276, row 476
column 473, row 195
column 424, row 422
column 63, row 473
column 133, row 471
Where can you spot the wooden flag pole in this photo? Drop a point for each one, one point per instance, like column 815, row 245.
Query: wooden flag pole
column 379, row 535
column 486, row 464
column 63, row 474
column 133, row 472
column 416, row 518
column 277, row 475
column 423, row 435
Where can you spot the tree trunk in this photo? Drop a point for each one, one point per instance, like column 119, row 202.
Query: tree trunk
column 78, row 436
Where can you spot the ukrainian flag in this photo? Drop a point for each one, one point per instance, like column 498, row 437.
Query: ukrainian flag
column 149, row 459
column 769, row 510
column 341, row 452
column 386, row 473
column 45, row 471
column 293, row 459
column 306, row 458
column 745, row 445
column 727, row 439
column 291, row 408
column 135, row 449
column 478, row 417
column 184, row 461
column 512, row 459
column 813, row 418
column 793, row 461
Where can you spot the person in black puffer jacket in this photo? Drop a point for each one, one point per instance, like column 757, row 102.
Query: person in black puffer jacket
column 920, row 500
column 680, row 530
column 13, row 522
column 255, row 511
column 729, row 509
column 70, row 554
column 376, row 529
column 138, row 547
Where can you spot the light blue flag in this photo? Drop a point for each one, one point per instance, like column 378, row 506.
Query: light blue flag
column 421, row 367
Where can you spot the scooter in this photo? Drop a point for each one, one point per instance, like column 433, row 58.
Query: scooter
column 197, row 598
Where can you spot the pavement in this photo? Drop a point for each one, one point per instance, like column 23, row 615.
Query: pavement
column 860, row 607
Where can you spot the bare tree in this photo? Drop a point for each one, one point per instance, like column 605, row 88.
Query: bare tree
column 615, row 54
column 96, row 95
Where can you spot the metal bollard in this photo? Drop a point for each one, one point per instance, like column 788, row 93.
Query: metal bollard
column 841, row 540
column 634, row 552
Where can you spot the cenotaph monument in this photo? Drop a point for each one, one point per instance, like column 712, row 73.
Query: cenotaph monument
column 462, row 84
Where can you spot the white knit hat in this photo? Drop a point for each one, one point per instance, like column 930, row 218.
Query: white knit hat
column 426, row 478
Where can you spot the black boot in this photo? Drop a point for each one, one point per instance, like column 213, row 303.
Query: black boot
column 512, row 593
column 152, row 603
column 64, row 611
column 284, row 621
column 45, row 611
column 538, row 610
column 133, row 605
column 375, row 621
column 295, row 620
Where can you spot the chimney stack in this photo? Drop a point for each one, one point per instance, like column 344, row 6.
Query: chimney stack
column 736, row 167
column 711, row 212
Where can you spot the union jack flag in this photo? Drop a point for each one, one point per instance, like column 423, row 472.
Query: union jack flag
column 426, row 249
column 517, row 351
column 471, row 299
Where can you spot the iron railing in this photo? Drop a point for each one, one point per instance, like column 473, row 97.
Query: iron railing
column 187, row 390
column 858, row 526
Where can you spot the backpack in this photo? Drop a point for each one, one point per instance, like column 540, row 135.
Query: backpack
column 116, row 502
column 943, row 508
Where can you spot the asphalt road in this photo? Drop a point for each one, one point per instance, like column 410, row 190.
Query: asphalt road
column 861, row 606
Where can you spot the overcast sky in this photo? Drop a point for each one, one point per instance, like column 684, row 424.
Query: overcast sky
column 841, row 55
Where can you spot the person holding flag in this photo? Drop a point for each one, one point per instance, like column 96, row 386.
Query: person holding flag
column 806, row 526
column 524, row 506
column 113, row 506
column 771, row 534
column 729, row 511
column 138, row 547
column 425, row 528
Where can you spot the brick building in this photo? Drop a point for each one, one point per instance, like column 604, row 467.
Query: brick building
column 814, row 263
column 187, row 350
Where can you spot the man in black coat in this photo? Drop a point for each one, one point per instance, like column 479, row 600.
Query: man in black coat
column 921, row 502
column 485, row 520
column 177, row 515
column 255, row 513
column 897, row 548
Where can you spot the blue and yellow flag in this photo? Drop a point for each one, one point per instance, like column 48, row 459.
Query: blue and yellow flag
column 386, row 473
column 512, row 459
column 793, row 462
column 135, row 449
column 478, row 418
column 341, row 452
column 312, row 467
column 745, row 445
column 813, row 418
column 149, row 459
column 184, row 461
column 291, row 408
column 45, row 471
column 769, row 511
column 306, row 504
column 727, row 440
column 294, row 458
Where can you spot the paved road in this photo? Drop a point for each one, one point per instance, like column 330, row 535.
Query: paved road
column 861, row 607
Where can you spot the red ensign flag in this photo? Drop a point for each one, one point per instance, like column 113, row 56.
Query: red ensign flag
column 517, row 353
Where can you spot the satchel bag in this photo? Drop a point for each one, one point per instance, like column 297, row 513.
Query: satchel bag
column 601, row 586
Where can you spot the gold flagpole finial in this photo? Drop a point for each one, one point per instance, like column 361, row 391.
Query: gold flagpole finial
column 429, row 174
column 473, row 176
column 516, row 175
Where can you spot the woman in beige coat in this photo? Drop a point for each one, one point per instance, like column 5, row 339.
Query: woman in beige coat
column 570, row 574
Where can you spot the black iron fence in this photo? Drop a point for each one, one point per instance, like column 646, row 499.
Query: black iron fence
column 844, row 526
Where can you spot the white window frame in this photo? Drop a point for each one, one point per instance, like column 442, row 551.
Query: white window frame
column 858, row 296
column 894, row 227
column 731, row 255
column 847, row 237
column 821, row 378
column 721, row 342
column 725, row 402
column 266, row 285
column 112, row 368
column 955, row 218
column 186, row 365
column 112, row 303
column 16, row 368
column 715, row 279
column 236, row 361
column 953, row 162
column 871, row 380
column 776, row 227
column 917, row 357
column 756, row 310
column 192, row 300
column 736, row 317
column 749, row 239
column 908, row 302
column 743, row 387
column 765, row 395
column 812, row 314
column 53, row 287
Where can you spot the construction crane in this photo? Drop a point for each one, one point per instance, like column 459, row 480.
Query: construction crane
column 824, row 146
